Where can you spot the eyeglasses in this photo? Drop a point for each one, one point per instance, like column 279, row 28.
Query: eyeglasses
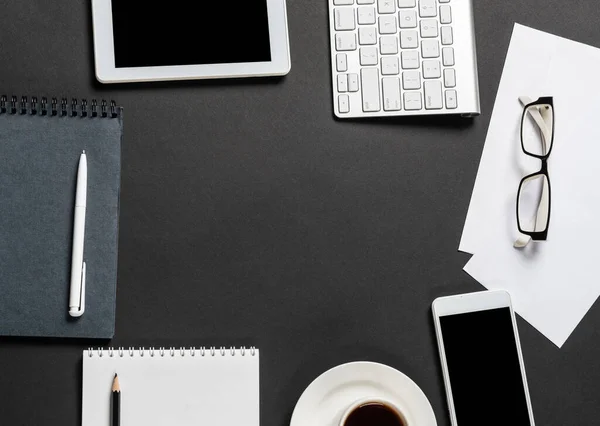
column 533, row 196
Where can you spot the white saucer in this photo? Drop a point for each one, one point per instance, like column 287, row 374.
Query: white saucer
column 329, row 395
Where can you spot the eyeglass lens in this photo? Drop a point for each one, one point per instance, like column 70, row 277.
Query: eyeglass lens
column 536, row 130
column 534, row 203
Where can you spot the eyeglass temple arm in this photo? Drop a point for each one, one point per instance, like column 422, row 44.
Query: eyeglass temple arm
column 542, row 212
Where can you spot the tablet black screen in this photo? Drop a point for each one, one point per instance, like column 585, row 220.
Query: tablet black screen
column 185, row 32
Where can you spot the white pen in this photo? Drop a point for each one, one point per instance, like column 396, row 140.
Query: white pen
column 77, row 296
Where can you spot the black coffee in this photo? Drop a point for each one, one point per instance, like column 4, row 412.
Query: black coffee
column 374, row 414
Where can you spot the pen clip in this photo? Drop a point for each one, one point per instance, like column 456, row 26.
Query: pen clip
column 77, row 312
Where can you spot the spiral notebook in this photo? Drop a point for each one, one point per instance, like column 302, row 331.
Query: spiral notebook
column 40, row 145
column 183, row 387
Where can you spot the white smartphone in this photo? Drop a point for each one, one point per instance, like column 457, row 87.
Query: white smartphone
column 481, row 360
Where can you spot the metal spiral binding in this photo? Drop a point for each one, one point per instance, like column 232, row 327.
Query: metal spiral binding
column 170, row 352
column 75, row 108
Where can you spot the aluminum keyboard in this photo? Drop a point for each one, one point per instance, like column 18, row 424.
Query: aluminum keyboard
column 402, row 57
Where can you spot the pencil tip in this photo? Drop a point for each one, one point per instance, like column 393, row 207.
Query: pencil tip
column 116, row 387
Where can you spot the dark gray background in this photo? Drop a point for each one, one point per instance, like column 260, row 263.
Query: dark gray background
column 250, row 216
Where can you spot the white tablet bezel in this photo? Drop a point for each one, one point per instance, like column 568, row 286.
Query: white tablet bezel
column 106, row 72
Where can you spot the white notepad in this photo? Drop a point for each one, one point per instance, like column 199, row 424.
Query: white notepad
column 182, row 387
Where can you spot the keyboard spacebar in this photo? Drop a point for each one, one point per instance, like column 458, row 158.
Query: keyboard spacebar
column 369, row 78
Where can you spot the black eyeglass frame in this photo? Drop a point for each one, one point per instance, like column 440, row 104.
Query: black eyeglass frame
column 537, row 235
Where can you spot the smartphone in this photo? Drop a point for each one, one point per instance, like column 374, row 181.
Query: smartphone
column 481, row 360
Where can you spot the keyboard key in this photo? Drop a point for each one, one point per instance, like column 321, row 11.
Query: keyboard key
column 353, row 82
column 387, row 25
column 345, row 41
column 432, row 69
column 411, row 80
column 369, row 79
column 449, row 77
column 367, row 35
column 342, row 80
column 412, row 101
column 342, row 2
column 409, row 40
column 451, row 102
column 386, row 6
column 366, row 15
column 430, row 49
column 389, row 65
column 447, row 37
column 366, row 1
column 433, row 94
column 407, row 19
column 445, row 14
column 341, row 62
column 368, row 56
column 344, row 19
column 443, row 1
column 407, row 3
column 427, row 8
column 429, row 28
column 343, row 104
column 391, row 94
column 388, row 45
column 448, row 56
column 410, row 60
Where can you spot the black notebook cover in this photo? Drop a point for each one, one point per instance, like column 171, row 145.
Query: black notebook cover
column 40, row 145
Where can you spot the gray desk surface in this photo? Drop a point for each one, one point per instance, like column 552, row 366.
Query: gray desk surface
column 249, row 216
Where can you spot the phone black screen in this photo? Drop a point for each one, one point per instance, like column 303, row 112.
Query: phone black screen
column 484, row 370
column 183, row 32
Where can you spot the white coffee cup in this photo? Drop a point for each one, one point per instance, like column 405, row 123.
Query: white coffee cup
column 373, row 400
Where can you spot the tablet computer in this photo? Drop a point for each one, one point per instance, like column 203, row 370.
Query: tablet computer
column 139, row 40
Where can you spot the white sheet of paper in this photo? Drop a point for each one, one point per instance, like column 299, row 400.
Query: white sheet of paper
column 552, row 283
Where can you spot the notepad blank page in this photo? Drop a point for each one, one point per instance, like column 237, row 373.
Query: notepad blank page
column 181, row 390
